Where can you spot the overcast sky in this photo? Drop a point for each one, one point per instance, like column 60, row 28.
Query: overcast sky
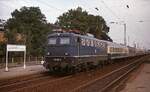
column 136, row 17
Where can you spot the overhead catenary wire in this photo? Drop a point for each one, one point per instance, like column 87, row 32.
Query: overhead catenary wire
column 86, row 4
column 26, row 1
column 44, row 3
column 110, row 9
column 7, row 4
column 50, row 6
column 97, row 8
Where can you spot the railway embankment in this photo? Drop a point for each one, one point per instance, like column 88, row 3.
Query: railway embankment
column 139, row 80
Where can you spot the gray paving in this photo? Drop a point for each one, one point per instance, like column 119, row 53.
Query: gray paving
column 141, row 83
column 20, row 71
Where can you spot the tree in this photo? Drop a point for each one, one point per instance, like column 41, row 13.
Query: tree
column 81, row 20
column 3, row 38
column 28, row 26
column 72, row 20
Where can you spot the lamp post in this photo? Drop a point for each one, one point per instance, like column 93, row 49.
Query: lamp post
column 125, row 41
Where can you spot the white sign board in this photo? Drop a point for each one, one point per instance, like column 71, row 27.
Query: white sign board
column 11, row 47
column 16, row 47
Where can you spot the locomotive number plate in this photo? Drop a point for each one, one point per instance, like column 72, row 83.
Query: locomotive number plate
column 57, row 59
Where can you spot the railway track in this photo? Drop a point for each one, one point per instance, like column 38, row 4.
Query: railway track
column 73, row 82
column 27, row 82
column 21, row 78
column 102, row 84
column 96, row 80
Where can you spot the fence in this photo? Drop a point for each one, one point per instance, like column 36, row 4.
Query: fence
column 18, row 61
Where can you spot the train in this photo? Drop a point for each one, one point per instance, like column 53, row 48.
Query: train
column 66, row 51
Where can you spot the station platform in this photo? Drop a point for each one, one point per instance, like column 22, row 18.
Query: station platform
column 140, row 81
column 20, row 71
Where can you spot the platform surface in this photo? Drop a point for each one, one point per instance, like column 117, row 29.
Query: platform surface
column 20, row 71
column 140, row 82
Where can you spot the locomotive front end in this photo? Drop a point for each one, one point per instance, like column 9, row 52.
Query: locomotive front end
column 59, row 51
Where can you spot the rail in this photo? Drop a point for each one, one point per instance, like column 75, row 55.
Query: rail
column 29, row 82
column 103, row 83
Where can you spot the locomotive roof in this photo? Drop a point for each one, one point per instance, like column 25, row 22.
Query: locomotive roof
column 73, row 34
column 112, row 44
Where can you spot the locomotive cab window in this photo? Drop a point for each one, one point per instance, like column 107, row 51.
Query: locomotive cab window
column 64, row 40
column 52, row 41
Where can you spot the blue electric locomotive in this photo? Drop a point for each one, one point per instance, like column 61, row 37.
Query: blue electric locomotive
column 69, row 50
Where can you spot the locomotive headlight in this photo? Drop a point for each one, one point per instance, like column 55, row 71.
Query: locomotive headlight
column 66, row 54
column 42, row 62
column 48, row 53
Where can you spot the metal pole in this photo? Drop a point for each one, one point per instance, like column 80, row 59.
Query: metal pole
column 78, row 43
column 12, row 60
column 125, row 42
column 78, row 50
column 6, row 69
column 128, row 41
column 24, row 60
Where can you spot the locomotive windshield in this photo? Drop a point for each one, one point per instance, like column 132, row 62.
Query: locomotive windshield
column 64, row 40
column 52, row 41
column 59, row 41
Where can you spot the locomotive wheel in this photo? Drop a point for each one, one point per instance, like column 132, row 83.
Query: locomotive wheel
column 72, row 70
column 69, row 69
column 84, row 67
column 50, row 70
column 91, row 66
column 111, row 61
column 56, row 69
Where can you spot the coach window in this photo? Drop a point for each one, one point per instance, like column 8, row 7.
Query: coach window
column 83, row 42
column 111, row 50
column 92, row 43
column 52, row 41
column 64, row 40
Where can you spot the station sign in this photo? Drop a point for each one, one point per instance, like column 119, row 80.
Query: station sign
column 11, row 47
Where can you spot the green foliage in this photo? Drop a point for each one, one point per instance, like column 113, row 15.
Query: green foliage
column 81, row 20
column 2, row 49
column 31, row 24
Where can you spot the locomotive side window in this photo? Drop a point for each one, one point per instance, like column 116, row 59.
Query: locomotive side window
column 64, row 40
column 83, row 42
column 52, row 41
